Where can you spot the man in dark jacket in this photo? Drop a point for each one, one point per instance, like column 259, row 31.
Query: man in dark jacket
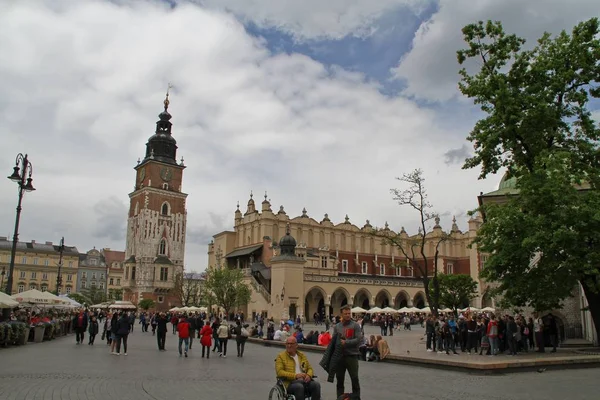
column 80, row 323
column 161, row 330
column 348, row 332
column 332, row 358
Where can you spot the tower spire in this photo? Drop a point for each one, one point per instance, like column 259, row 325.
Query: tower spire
column 166, row 102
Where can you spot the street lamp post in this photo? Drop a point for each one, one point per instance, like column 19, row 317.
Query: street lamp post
column 61, row 249
column 22, row 172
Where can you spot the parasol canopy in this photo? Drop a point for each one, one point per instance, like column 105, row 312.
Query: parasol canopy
column 7, row 302
column 122, row 305
column 390, row 310
column 358, row 310
column 375, row 310
column 34, row 296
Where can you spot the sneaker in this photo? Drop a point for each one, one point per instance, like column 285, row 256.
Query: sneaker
column 220, row 354
column 124, row 354
column 118, row 354
column 224, row 356
column 429, row 350
column 186, row 354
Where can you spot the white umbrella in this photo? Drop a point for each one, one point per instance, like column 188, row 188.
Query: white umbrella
column 446, row 310
column 390, row 310
column 425, row 310
column 106, row 304
column 122, row 305
column 375, row 310
column 32, row 296
column 358, row 310
column 488, row 309
column 405, row 310
column 7, row 302
column 174, row 309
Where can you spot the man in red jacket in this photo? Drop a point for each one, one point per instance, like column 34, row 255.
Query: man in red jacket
column 183, row 328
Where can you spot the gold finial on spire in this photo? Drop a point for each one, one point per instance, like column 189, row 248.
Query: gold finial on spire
column 166, row 102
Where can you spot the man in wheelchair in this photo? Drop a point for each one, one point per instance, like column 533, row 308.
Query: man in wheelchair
column 294, row 370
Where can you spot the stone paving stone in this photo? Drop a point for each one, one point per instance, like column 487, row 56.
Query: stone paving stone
column 61, row 370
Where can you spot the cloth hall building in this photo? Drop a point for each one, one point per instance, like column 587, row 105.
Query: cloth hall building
column 333, row 263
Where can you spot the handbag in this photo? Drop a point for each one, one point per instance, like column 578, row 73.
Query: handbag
column 103, row 335
column 244, row 332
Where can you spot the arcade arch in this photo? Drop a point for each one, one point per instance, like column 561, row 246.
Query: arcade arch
column 419, row 300
column 340, row 297
column 383, row 299
column 362, row 298
column 402, row 300
column 314, row 302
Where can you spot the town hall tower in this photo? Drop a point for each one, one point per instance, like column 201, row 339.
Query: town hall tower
column 156, row 224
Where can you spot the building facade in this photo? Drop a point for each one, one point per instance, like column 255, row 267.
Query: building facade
column 92, row 271
column 156, row 224
column 114, row 262
column 36, row 266
column 334, row 264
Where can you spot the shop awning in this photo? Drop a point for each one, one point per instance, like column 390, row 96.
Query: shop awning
column 244, row 252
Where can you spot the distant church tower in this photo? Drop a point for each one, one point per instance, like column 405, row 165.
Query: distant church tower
column 156, row 224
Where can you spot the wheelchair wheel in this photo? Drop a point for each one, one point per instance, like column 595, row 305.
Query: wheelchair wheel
column 277, row 393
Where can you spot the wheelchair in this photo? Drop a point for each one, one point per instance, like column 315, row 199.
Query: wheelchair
column 278, row 392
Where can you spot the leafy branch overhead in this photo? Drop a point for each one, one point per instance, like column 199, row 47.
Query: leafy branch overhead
column 536, row 100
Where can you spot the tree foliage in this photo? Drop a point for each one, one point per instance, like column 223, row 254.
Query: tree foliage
column 146, row 304
column 188, row 288
column 225, row 287
column 81, row 299
column 94, row 295
column 413, row 248
column 538, row 125
column 455, row 290
column 115, row 294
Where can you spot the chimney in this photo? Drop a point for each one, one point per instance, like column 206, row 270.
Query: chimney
column 49, row 243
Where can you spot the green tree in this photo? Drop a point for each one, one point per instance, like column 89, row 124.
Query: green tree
column 455, row 290
column 81, row 299
column 94, row 295
column 146, row 304
column 225, row 287
column 545, row 238
column 115, row 294
column 188, row 288
column 413, row 248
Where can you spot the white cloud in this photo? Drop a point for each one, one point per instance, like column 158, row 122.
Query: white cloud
column 431, row 69
column 82, row 87
column 315, row 19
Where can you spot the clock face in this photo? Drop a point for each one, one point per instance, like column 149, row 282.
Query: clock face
column 166, row 174
column 142, row 174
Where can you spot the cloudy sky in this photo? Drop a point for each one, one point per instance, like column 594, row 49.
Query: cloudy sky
column 322, row 104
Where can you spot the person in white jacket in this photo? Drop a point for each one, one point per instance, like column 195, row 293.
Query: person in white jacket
column 223, row 334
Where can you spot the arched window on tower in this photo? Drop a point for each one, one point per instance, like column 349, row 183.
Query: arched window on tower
column 137, row 208
column 162, row 248
column 164, row 210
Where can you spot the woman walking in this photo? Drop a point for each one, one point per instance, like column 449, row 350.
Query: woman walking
column 114, row 327
column 206, row 339
column 123, row 327
column 223, row 334
column 241, row 335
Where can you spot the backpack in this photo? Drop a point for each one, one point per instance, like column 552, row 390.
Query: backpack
column 526, row 331
column 244, row 332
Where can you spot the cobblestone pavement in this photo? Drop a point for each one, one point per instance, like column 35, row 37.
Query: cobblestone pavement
column 60, row 370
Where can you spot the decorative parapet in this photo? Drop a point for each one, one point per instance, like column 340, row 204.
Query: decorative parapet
column 363, row 281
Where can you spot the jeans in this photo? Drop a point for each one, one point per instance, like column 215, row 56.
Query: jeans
column 122, row 338
column 240, row 347
column 539, row 340
column 431, row 340
column 223, row 346
column 79, row 335
column 301, row 389
column 449, row 343
column 187, row 344
column 161, row 338
column 349, row 363
column 207, row 348
column 493, row 345
column 217, row 345
column 92, row 337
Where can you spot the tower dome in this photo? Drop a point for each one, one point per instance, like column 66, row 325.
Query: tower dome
column 287, row 244
column 162, row 146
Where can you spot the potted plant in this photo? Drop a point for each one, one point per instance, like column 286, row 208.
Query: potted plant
column 20, row 332
column 38, row 332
